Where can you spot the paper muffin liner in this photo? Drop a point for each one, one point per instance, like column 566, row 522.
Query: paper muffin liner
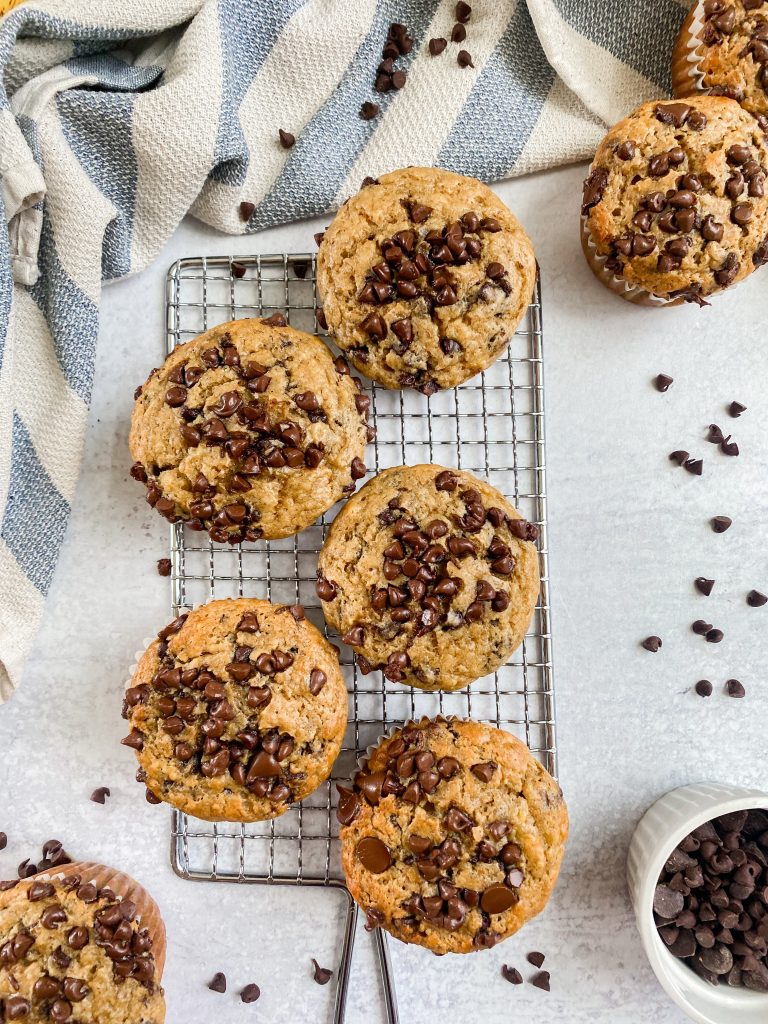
column 631, row 293
column 124, row 888
column 687, row 75
column 147, row 642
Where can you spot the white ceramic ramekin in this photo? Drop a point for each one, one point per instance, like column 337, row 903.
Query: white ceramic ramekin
column 662, row 827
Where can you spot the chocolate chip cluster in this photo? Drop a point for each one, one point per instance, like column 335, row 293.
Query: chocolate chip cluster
column 413, row 774
column 197, row 709
column 721, row 21
column 416, row 266
column 240, row 426
column 114, row 930
column 669, row 223
column 418, row 587
column 711, row 901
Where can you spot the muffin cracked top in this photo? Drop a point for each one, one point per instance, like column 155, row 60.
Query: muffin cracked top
column 452, row 835
column 236, row 710
column 72, row 952
column 429, row 574
column 675, row 204
column 424, row 276
column 250, row 430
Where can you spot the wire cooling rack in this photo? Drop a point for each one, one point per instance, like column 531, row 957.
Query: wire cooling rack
column 494, row 426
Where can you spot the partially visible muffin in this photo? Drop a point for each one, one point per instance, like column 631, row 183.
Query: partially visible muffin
column 452, row 835
column 237, row 710
column 424, row 276
column 249, row 431
column 84, row 944
column 722, row 49
column 675, row 207
column 430, row 575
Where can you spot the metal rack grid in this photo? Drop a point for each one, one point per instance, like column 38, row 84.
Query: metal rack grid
column 492, row 425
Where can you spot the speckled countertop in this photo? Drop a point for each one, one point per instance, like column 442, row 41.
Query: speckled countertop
column 628, row 534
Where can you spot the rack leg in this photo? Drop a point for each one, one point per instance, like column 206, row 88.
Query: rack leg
column 387, row 977
column 340, row 1007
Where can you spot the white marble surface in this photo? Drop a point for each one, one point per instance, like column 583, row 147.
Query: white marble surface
column 629, row 532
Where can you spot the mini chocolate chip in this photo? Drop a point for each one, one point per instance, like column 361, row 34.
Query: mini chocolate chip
column 99, row 796
column 369, row 110
column 322, row 975
column 286, row 139
column 694, row 466
column 652, row 644
column 721, row 523
column 250, row 993
column 662, row 382
column 238, row 269
column 703, row 585
column 511, row 974
column 734, row 688
column 541, row 980
column 714, row 636
column 701, row 627
column 464, row 59
column 537, row 959
column 728, row 447
column 755, row 599
column 436, row 46
column 218, row 983
column 736, row 409
column 164, row 566
column 246, row 210
column 704, row 688
column 715, row 435
column 458, row 33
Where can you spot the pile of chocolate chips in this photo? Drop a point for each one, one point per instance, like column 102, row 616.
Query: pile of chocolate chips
column 711, row 900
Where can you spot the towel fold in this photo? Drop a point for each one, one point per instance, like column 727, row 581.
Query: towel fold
column 117, row 117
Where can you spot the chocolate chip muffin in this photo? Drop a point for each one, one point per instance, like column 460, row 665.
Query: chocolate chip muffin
column 236, row 710
column 424, row 276
column 674, row 207
column 430, row 575
column 722, row 49
column 84, row 945
column 452, row 836
column 248, row 431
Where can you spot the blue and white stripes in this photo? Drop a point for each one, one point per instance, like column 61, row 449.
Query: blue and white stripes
column 121, row 116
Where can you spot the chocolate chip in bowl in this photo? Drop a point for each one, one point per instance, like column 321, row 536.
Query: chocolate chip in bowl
column 698, row 877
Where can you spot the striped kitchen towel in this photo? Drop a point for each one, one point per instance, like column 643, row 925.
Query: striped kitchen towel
column 117, row 117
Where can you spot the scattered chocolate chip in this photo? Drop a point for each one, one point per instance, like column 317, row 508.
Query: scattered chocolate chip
column 734, row 688
column 458, row 33
column 3, row 840
column 736, row 409
column 695, row 466
column 703, row 585
column 679, row 456
column 238, row 269
column 721, row 523
column 511, row 974
column 464, row 59
column 436, row 46
column 652, row 643
column 714, row 636
column 369, row 110
column 704, row 688
column 286, row 139
column 463, row 12
column 715, row 435
column 541, row 980
column 322, row 975
column 755, row 599
column 537, row 959
column 246, row 211
column 164, row 566
column 701, row 627
column 218, row 983
column 728, row 447
column 662, row 382
column 250, row 993
column 99, row 796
